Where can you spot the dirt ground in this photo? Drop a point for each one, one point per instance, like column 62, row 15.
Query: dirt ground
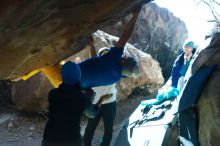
column 18, row 129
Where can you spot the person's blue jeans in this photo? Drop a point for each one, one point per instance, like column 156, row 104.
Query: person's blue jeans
column 108, row 113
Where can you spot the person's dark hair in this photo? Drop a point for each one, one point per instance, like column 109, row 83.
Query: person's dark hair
column 100, row 52
column 90, row 93
column 129, row 63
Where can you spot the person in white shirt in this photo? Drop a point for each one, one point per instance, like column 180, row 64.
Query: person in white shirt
column 107, row 109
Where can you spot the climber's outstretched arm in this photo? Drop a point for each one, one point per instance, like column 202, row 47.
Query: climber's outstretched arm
column 90, row 46
column 128, row 30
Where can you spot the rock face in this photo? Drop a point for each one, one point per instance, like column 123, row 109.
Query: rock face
column 158, row 32
column 36, row 34
column 31, row 95
column 209, row 102
column 5, row 94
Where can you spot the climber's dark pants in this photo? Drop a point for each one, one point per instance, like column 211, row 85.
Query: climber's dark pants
column 74, row 143
column 188, row 127
column 108, row 112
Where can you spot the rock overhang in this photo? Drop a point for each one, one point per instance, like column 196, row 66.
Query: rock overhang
column 39, row 33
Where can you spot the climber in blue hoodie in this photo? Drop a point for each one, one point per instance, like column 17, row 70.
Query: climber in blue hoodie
column 111, row 67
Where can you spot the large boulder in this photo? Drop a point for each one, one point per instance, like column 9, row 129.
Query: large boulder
column 31, row 95
column 209, row 112
column 209, row 102
column 38, row 33
column 158, row 32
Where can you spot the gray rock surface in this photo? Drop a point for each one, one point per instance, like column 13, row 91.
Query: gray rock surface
column 31, row 95
column 36, row 34
column 209, row 103
column 158, row 32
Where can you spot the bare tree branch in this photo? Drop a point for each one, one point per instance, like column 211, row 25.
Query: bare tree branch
column 216, row 2
column 211, row 8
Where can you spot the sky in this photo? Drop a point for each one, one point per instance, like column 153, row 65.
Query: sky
column 194, row 15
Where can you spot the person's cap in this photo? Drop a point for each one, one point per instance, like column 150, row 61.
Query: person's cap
column 102, row 50
column 189, row 44
column 70, row 73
